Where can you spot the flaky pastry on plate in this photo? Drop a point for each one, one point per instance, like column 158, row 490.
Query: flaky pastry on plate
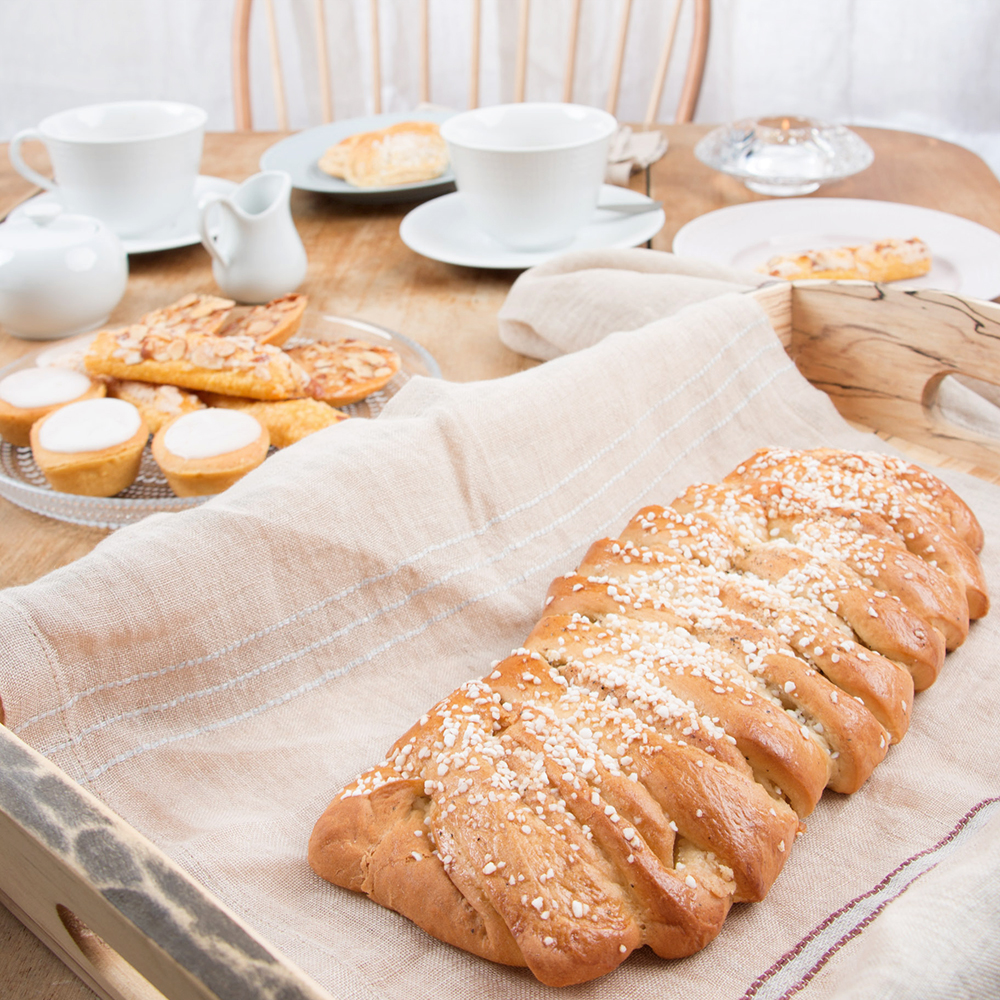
column 883, row 260
column 404, row 153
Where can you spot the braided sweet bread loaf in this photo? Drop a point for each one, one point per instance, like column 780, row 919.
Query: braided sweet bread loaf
column 646, row 759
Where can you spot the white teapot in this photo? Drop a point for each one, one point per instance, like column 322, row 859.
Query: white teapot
column 60, row 274
column 256, row 251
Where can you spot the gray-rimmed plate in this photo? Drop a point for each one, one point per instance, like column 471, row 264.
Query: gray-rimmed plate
column 299, row 154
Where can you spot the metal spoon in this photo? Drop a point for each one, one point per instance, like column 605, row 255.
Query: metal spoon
column 632, row 207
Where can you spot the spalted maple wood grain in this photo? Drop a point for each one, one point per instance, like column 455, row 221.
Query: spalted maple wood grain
column 881, row 355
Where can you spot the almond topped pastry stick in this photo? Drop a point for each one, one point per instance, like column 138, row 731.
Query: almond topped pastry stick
column 883, row 260
column 346, row 371
column 336, row 159
column 643, row 761
column 271, row 323
column 233, row 366
column 192, row 313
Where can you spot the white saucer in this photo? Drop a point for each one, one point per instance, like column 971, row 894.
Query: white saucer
column 442, row 230
column 965, row 256
column 182, row 232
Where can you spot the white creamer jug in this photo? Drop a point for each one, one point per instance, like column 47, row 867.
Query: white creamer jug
column 256, row 251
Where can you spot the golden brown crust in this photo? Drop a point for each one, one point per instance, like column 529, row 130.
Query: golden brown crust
column 16, row 421
column 643, row 761
column 336, row 159
column 346, row 371
column 158, row 404
column 382, row 857
column 101, row 473
column 232, row 366
column 272, row 322
column 883, row 260
column 675, row 549
column 930, row 520
column 196, row 477
column 404, row 153
column 286, row 420
column 192, row 313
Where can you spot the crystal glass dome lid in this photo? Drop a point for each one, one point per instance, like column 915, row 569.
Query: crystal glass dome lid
column 784, row 155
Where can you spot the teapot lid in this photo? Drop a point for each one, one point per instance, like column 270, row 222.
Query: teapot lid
column 45, row 226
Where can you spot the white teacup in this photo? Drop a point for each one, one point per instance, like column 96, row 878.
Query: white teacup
column 131, row 164
column 530, row 174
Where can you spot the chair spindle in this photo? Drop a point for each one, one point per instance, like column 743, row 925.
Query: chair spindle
column 323, row 62
column 574, row 37
column 521, row 61
column 376, row 60
column 619, row 60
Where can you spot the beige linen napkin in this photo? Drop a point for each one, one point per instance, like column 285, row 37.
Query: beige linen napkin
column 216, row 675
column 631, row 152
column 575, row 299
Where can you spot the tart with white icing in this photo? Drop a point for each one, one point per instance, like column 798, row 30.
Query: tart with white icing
column 206, row 451
column 92, row 447
column 287, row 420
column 30, row 394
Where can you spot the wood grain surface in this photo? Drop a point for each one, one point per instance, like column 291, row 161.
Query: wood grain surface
column 359, row 267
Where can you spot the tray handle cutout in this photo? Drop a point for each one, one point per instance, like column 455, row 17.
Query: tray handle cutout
column 108, row 965
column 881, row 354
column 114, row 907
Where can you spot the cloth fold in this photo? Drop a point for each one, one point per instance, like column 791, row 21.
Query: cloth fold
column 631, row 152
column 575, row 299
column 216, row 675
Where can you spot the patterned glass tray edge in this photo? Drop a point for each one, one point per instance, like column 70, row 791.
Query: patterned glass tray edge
column 22, row 483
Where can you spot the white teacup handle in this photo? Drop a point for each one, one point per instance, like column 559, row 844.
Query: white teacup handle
column 14, row 152
column 204, row 210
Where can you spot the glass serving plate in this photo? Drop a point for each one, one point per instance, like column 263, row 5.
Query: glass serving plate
column 784, row 155
column 22, row 483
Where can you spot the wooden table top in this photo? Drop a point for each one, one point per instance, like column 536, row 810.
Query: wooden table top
column 359, row 267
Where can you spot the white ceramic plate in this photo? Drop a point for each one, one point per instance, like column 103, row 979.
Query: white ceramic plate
column 442, row 230
column 22, row 483
column 182, row 232
column 299, row 154
column 965, row 255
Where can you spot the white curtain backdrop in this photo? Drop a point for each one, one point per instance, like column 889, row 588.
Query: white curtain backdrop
column 929, row 66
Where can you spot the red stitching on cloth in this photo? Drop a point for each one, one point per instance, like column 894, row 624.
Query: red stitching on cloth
column 861, row 925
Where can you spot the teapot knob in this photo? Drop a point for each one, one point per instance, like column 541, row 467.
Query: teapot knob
column 43, row 213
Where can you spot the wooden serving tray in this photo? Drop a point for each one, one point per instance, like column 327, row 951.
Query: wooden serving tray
column 134, row 926
column 881, row 355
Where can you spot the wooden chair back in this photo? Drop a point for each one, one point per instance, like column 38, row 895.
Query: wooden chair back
column 690, row 87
